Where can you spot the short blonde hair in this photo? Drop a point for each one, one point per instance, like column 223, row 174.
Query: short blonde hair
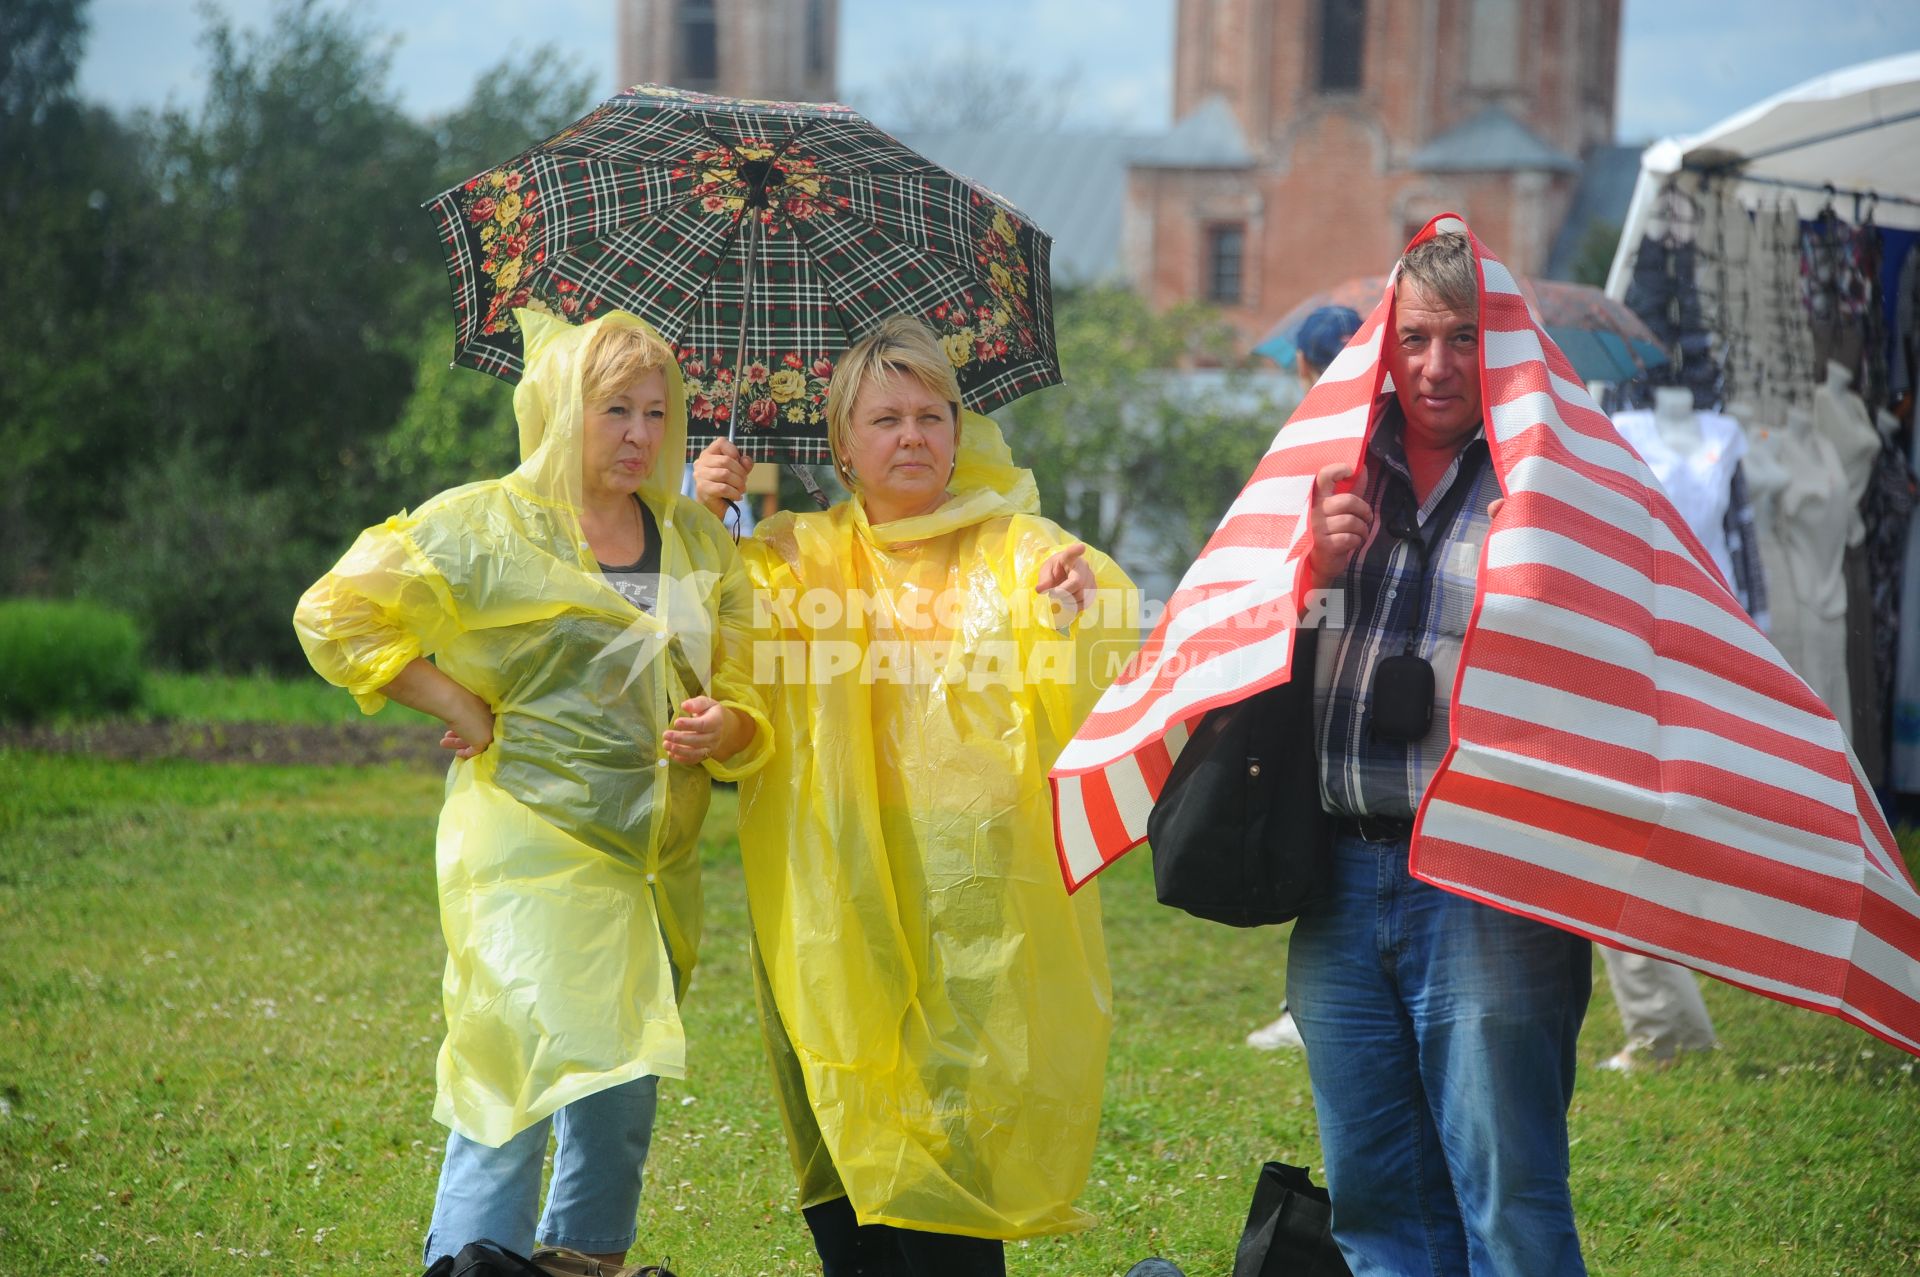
column 1443, row 269
column 618, row 356
column 899, row 343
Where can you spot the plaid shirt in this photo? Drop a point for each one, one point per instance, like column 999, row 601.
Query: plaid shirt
column 1360, row 774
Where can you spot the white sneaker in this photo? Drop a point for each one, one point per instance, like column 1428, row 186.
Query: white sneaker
column 1280, row 1034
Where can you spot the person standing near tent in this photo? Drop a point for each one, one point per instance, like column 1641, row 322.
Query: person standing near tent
column 588, row 629
column 1323, row 334
column 1440, row 1031
column 936, row 1008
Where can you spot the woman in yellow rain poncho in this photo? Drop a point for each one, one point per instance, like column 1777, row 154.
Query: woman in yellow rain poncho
column 571, row 609
column 936, row 1006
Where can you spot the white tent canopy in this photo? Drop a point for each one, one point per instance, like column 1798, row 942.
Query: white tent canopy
column 1856, row 130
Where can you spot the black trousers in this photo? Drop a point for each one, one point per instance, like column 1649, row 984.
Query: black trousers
column 850, row 1249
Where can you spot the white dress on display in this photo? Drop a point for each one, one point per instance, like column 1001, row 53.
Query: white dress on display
column 1843, row 419
column 1766, row 480
column 1812, row 519
column 1699, row 478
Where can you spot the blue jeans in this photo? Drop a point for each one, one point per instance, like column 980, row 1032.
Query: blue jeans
column 490, row 1193
column 1440, row 1041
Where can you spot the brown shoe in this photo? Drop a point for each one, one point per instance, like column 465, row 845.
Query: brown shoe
column 561, row 1262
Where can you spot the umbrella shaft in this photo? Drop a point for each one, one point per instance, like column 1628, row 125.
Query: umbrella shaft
column 752, row 219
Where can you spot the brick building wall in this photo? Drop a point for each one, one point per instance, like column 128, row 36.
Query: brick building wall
column 1332, row 182
column 782, row 49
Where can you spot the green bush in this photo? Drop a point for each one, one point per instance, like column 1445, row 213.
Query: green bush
column 66, row 659
column 210, row 570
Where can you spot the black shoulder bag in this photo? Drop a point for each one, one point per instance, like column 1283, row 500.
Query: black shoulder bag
column 1238, row 833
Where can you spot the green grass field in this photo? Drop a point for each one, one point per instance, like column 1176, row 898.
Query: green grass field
column 257, row 698
column 219, row 1005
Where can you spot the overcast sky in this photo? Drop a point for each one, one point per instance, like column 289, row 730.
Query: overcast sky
column 1683, row 65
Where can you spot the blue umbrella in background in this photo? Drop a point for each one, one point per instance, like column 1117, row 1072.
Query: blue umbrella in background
column 1601, row 338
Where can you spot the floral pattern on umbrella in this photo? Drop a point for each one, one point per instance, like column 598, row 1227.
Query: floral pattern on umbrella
column 654, row 202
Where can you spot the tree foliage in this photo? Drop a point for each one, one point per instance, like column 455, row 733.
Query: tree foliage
column 230, row 339
column 1131, row 451
column 231, row 327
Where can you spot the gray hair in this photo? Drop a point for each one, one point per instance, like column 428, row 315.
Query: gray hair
column 1443, row 269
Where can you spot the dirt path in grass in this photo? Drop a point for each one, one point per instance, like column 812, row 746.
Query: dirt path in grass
column 304, row 744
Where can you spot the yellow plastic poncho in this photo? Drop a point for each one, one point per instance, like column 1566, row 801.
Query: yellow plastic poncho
column 569, row 884
column 937, row 1008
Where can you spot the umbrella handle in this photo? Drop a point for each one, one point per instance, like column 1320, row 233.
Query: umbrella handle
column 752, row 216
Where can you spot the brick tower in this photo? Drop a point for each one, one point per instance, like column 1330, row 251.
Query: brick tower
column 1313, row 137
column 781, row 49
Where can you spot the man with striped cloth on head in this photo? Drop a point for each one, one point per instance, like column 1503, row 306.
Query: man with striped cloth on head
column 1440, row 1031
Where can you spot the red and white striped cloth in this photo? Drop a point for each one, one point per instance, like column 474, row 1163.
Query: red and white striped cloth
column 1631, row 758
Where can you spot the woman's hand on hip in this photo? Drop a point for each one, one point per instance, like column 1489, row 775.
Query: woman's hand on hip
column 468, row 717
column 720, row 476
column 470, row 730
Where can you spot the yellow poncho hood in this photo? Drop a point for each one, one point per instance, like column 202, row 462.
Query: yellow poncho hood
column 569, row 883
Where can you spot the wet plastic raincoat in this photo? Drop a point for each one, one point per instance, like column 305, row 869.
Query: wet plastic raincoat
column 569, row 883
column 937, row 1007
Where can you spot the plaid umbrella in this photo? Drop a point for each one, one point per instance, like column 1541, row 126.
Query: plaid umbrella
column 1603, row 339
column 761, row 239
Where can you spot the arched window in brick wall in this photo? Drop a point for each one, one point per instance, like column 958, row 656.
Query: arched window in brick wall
column 1343, row 27
column 816, row 37
column 699, row 44
column 1494, row 28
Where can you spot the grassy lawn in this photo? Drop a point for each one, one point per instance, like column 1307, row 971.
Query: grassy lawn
column 257, row 698
column 219, row 993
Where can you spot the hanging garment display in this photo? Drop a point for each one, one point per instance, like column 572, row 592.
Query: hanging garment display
column 1842, row 418
column 1782, row 340
column 1887, row 510
column 1811, row 520
column 1743, row 548
column 1724, row 279
column 1696, row 472
column 1903, row 769
column 1665, row 293
column 1864, row 249
column 1766, row 477
column 1833, row 290
column 1905, row 372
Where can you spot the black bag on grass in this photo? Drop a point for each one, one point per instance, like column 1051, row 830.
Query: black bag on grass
column 1289, row 1228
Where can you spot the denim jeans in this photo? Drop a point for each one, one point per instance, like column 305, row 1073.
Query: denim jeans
column 1440, row 1041
column 601, row 1151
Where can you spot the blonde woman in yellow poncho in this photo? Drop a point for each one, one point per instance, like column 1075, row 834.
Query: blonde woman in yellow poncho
column 588, row 628
column 937, row 1008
